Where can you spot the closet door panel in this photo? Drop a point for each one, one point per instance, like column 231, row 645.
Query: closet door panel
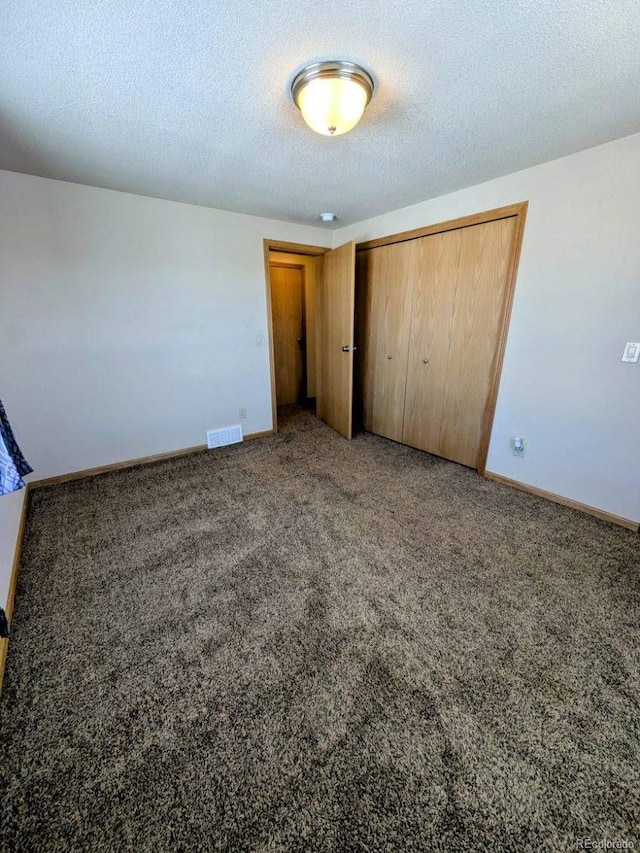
column 473, row 330
column 386, row 270
column 433, row 286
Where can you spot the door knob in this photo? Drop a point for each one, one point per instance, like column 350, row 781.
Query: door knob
column 349, row 349
column 425, row 361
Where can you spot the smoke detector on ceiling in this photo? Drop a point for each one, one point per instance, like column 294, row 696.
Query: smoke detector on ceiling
column 328, row 217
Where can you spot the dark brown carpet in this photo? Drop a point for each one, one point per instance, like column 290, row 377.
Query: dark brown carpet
column 307, row 644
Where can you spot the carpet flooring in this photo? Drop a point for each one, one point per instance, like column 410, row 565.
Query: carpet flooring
column 306, row 644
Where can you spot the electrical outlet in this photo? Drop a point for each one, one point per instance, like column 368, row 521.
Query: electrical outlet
column 242, row 413
column 631, row 352
column 518, row 446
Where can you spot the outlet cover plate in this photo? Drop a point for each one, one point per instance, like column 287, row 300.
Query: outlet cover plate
column 518, row 446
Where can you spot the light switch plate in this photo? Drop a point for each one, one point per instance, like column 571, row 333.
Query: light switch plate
column 631, row 352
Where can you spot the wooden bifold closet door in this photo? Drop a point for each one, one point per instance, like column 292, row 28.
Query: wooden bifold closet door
column 384, row 302
column 433, row 313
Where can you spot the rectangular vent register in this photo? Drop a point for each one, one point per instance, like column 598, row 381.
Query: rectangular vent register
column 223, row 436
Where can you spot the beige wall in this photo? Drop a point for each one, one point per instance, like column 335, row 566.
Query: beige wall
column 577, row 300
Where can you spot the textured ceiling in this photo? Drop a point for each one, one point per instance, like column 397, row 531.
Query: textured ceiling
column 189, row 99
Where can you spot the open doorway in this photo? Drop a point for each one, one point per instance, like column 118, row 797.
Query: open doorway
column 328, row 304
column 292, row 280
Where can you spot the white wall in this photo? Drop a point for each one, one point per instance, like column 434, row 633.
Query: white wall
column 10, row 514
column 127, row 326
column 564, row 388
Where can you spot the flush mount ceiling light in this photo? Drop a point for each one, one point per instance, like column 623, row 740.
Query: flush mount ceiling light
column 332, row 96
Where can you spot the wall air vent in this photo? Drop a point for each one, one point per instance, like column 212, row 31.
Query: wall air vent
column 226, row 435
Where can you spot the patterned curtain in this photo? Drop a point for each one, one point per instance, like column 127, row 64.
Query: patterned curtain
column 13, row 465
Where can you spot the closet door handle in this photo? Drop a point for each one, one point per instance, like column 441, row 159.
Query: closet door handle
column 389, row 357
column 425, row 361
column 349, row 349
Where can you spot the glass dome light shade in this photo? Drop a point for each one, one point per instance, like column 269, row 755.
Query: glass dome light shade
column 332, row 96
